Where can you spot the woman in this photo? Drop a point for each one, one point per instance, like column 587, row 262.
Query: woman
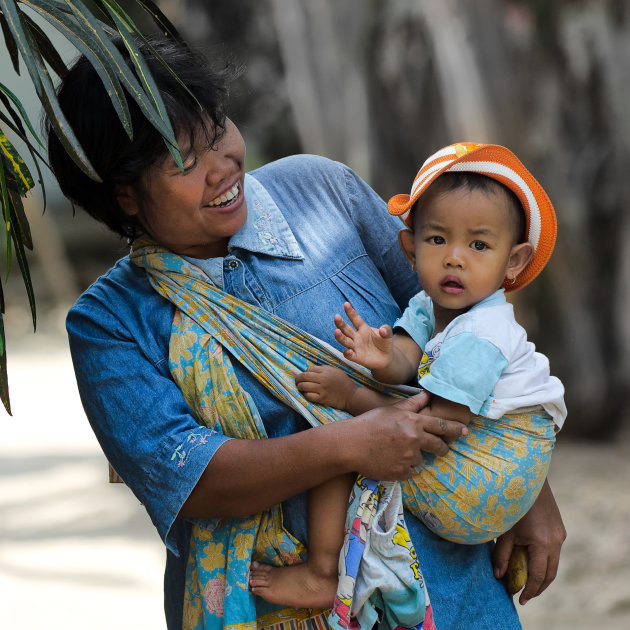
column 296, row 238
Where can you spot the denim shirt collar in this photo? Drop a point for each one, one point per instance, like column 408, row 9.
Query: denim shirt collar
column 266, row 231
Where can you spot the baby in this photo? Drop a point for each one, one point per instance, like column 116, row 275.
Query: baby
column 478, row 225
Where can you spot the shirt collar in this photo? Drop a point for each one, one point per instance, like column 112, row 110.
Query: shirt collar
column 494, row 299
column 266, row 231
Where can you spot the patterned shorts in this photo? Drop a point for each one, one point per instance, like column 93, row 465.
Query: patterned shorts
column 488, row 480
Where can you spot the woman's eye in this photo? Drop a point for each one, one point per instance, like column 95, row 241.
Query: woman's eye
column 190, row 164
column 479, row 246
column 436, row 240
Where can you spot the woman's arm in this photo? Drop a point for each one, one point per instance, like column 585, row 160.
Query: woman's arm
column 246, row 476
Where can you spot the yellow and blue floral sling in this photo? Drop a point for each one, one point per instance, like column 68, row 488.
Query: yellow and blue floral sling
column 210, row 329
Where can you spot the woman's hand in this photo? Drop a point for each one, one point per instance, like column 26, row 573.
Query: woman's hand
column 387, row 443
column 542, row 532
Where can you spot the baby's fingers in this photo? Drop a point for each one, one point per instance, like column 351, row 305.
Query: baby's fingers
column 355, row 319
column 344, row 333
column 386, row 332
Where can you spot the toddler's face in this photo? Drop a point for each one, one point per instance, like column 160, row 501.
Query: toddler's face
column 462, row 243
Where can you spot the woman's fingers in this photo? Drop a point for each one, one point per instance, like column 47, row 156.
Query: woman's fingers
column 445, row 430
column 539, row 575
column 390, row 441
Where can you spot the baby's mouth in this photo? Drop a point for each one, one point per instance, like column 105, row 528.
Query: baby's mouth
column 452, row 284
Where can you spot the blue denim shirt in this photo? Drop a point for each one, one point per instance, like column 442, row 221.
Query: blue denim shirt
column 316, row 235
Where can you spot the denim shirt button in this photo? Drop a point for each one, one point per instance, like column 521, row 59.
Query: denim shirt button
column 232, row 264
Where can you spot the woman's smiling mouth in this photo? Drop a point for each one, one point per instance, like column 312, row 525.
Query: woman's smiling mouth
column 226, row 198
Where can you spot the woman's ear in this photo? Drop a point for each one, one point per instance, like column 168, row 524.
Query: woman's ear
column 520, row 255
column 408, row 246
column 127, row 200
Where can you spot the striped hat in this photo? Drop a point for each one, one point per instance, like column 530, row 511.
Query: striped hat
column 502, row 165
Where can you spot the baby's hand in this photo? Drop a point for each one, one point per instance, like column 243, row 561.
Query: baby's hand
column 326, row 385
column 371, row 347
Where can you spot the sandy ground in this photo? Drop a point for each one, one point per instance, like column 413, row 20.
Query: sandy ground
column 77, row 552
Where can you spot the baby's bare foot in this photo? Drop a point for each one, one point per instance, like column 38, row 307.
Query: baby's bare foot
column 297, row 585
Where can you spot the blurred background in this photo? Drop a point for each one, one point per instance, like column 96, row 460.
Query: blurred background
column 378, row 85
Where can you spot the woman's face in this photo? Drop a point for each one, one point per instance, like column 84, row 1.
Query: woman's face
column 196, row 212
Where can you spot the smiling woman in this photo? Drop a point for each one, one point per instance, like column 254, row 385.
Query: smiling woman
column 196, row 212
column 185, row 354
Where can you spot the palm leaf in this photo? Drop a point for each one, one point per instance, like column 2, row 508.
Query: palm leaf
column 88, row 35
column 92, row 43
column 19, row 132
column 6, row 211
column 10, row 44
column 163, row 23
column 12, row 221
column 6, row 98
column 20, row 254
column 46, row 48
column 19, row 218
column 153, row 107
column 126, row 27
column 16, row 165
column 44, row 87
column 4, row 377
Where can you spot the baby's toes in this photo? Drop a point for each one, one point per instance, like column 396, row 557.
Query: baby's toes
column 259, row 575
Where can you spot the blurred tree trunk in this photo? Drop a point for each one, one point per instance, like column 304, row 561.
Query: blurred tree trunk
column 326, row 88
column 381, row 85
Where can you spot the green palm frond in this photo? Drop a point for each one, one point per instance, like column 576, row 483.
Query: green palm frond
column 27, row 42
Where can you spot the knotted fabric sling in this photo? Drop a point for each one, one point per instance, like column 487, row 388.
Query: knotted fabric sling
column 210, row 329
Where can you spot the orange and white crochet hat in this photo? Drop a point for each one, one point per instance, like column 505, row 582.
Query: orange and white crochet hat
column 501, row 164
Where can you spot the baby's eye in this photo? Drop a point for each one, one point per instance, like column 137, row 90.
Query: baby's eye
column 436, row 240
column 478, row 246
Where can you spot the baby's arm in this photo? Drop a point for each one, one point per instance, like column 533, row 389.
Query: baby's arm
column 442, row 408
column 330, row 386
column 393, row 358
column 327, row 385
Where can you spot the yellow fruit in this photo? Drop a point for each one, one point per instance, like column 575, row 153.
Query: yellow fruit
column 516, row 575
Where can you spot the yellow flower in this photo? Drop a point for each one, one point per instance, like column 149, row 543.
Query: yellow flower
column 515, row 488
column 494, row 521
column 242, row 545
column 181, row 344
column 467, row 499
column 469, row 469
column 214, row 557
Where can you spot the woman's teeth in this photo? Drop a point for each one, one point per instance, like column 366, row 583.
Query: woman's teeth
column 229, row 195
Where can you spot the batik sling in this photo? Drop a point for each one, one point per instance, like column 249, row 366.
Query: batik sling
column 211, row 328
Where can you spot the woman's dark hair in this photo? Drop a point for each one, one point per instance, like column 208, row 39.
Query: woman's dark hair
column 465, row 180
column 117, row 159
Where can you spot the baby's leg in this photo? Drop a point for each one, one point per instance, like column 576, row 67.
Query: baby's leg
column 314, row 583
